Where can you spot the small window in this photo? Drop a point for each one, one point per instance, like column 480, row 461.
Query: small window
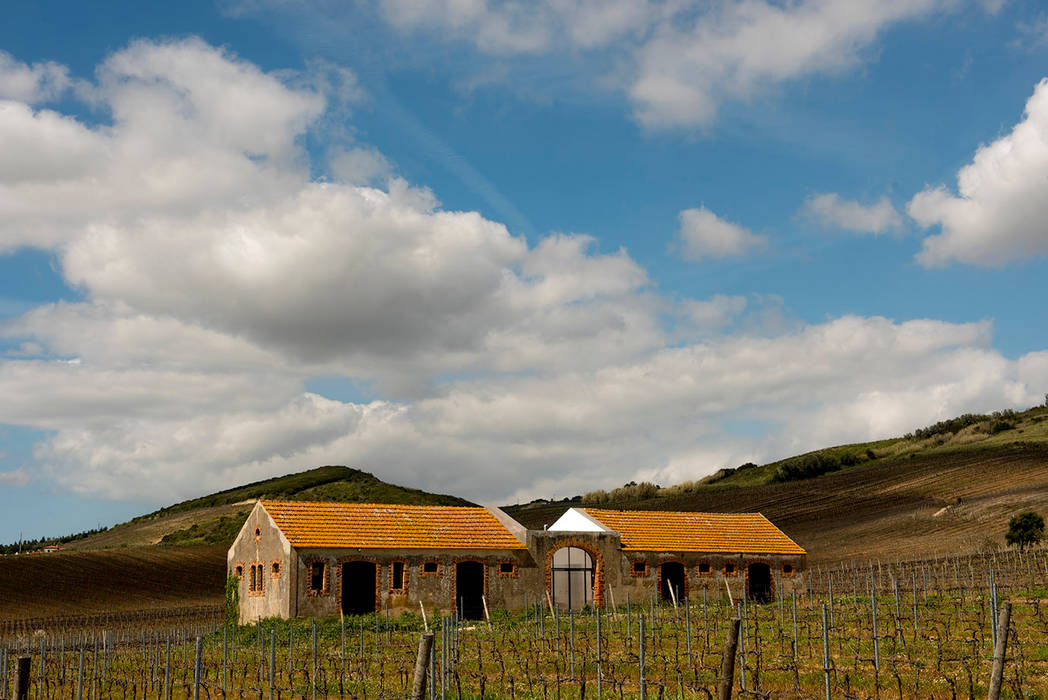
column 729, row 568
column 640, row 568
column 787, row 569
column 239, row 570
column 317, row 577
column 275, row 569
column 397, row 576
column 507, row 568
column 430, row 567
column 258, row 533
column 255, row 585
column 704, row 568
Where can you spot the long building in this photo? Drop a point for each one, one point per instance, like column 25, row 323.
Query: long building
column 300, row 559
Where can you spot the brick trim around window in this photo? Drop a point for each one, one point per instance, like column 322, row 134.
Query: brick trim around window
column 326, row 588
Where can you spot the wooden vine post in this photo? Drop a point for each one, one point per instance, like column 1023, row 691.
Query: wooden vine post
column 425, row 647
column 731, row 647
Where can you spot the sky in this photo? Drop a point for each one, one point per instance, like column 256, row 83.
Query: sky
column 504, row 250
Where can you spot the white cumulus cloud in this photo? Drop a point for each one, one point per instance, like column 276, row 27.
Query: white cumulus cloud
column 999, row 212
column 703, row 235
column 832, row 210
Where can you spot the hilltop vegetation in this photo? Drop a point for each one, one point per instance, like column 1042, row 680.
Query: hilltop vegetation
column 967, row 432
column 215, row 519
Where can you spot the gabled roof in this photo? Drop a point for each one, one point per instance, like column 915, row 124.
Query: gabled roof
column 382, row 526
column 659, row 531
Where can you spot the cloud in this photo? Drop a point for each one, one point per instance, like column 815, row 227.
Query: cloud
column 703, row 234
column 39, row 82
column 15, row 478
column 360, row 166
column 831, row 210
column 677, row 61
column 192, row 128
column 503, row 369
column 998, row 215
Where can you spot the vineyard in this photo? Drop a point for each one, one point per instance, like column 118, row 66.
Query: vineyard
column 883, row 630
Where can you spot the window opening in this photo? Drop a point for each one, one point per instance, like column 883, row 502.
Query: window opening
column 640, row 568
column 704, row 567
column 729, row 568
column 507, row 567
column 276, row 568
column 787, row 568
column 317, row 576
column 429, row 567
column 398, row 576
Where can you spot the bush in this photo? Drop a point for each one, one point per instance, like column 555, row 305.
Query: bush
column 806, row 467
column 1025, row 529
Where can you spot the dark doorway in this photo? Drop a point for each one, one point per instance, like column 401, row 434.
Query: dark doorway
column 469, row 589
column 672, row 578
column 758, row 583
column 358, row 587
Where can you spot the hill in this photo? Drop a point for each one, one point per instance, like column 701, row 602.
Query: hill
column 948, row 487
column 216, row 518
column 175, row 557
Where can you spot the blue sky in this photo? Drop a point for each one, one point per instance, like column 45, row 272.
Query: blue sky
column 502, row 250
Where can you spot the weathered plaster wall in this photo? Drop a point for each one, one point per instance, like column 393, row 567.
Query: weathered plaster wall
column 261, row 542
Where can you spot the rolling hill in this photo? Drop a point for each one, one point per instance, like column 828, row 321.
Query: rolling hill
column 950, row 487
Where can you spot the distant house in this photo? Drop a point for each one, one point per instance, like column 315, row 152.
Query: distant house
column 296, row 559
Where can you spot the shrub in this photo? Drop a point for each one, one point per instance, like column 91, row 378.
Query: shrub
column 806, row 467
column 1025, row 529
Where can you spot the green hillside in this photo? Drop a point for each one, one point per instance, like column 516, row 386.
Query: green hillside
column 216, row 518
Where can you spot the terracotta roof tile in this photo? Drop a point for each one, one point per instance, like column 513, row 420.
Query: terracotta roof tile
column 383, row 526
column 660, row 531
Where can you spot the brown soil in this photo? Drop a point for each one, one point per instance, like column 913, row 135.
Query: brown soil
column 141, row 578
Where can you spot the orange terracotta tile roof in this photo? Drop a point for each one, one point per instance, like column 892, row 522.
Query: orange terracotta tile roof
column 383, row 526
column 660, row 531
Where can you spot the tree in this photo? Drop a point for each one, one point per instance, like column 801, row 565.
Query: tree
column 1025, row 529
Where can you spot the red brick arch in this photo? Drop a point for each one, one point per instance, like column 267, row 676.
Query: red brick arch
column 598, row 567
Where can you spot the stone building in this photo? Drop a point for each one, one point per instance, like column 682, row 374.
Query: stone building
column 299, row 559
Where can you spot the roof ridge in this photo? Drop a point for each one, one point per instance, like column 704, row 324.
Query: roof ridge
column 672, row 512
column 265, row 501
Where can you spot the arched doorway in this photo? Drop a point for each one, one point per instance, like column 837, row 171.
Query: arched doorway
column 671, row 577
column 758, row 583
column 469, row 590
column 359, row 586
column 572, row 578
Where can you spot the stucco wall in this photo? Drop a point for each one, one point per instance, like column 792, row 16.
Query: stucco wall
column 261, row 542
